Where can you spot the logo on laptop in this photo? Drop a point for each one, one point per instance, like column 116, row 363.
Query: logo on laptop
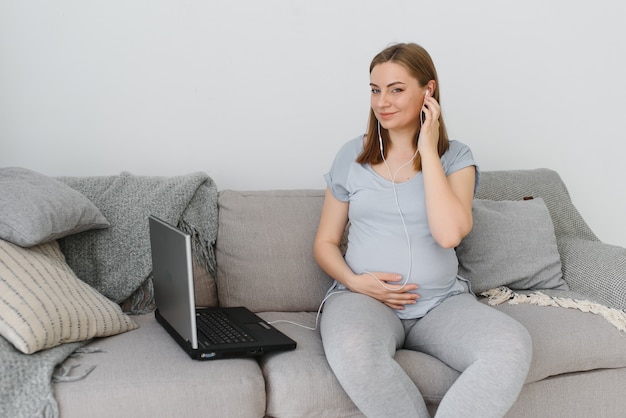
column 207, row 355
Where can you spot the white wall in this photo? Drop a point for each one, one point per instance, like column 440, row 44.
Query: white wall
column 260, row 94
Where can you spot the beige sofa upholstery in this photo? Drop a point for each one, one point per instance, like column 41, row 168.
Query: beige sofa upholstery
column 265, row 262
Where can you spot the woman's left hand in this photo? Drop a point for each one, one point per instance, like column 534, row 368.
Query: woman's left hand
column 429, row 134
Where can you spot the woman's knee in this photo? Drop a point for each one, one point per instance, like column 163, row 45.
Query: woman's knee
column 509, row 350
column 505, row 336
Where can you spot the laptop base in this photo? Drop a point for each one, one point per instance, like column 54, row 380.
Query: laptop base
column 224, row 351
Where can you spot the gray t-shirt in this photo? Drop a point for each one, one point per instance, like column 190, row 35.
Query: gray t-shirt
column 377, row 240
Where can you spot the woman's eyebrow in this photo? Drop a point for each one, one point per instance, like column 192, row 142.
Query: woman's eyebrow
column 388, row 85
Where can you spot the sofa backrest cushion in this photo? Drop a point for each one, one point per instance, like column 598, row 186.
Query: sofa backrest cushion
column 264, row 247
column 264, row 250
column 512, row 243
column 541, row 182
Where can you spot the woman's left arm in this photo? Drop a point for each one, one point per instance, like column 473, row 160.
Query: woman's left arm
column 448, row 201
column 448, row 198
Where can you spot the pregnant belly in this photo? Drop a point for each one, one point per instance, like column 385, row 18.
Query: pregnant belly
column 428, row 265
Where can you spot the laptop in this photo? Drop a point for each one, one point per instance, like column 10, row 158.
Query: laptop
column 204, row 333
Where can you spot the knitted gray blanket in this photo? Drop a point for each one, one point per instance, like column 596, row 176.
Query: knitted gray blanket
column 26, row 380
column 115, row 261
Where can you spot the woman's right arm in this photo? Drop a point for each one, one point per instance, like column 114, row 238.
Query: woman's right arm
column 333, row 222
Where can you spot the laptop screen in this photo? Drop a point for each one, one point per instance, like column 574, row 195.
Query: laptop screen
column 172, row 276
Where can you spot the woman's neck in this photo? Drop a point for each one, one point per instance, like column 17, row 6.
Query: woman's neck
column 403, row 142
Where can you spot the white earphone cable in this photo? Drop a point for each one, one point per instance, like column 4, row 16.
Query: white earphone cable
column 317, row 317
column 395, row 195
column 406, row 232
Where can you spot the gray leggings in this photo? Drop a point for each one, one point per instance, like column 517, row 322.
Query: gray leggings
column 490, row 349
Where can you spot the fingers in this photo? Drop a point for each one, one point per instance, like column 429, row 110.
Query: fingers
column 386, row 287
column 396, row 307
column 391, row 281
column 431, row 108
column 399, row 296
column 429, row 132
column 400, row 303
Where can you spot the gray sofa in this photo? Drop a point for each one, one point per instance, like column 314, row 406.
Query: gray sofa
column 265, row 262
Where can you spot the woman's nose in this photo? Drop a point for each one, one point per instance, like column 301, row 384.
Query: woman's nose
column 381, row 100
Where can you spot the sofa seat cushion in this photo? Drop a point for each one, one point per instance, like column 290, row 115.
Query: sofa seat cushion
column 568, row 340
column 596, row 393
column 300, row 383
column 565, row 341
column 144, row 373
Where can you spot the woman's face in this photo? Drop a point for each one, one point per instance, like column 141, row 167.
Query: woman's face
column 397, row 98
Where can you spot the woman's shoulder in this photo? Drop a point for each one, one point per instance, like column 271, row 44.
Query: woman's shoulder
column 457, row 156
column 355, row 144
column 455, row 146
column 457, row 149
column 351, row 149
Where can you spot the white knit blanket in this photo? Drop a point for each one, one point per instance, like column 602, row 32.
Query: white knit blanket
column 503, row 294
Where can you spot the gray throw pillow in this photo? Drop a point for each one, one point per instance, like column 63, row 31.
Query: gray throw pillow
column 511, row 244
column 35, row 208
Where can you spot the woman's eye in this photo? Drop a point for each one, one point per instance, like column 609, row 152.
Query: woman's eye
column 375, row 91
column 396, row 90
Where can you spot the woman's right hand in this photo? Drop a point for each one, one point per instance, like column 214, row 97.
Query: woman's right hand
column 386, row 288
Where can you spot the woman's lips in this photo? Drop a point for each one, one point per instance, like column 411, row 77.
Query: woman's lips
column 386, row 115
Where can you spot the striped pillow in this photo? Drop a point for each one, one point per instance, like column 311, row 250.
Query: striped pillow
column 43, row 304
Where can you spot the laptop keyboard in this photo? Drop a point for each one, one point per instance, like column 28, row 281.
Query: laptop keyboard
column 219, row 330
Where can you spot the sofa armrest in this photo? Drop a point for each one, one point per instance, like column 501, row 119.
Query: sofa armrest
column 595, row 269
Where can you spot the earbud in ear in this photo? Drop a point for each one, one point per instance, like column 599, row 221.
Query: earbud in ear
column 427, row 92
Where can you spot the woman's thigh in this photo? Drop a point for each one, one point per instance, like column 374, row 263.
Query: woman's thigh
column 353, row 322
column 360, row 337
column 461, row 330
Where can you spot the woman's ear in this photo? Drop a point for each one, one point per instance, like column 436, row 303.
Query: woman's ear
column 431, row 86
